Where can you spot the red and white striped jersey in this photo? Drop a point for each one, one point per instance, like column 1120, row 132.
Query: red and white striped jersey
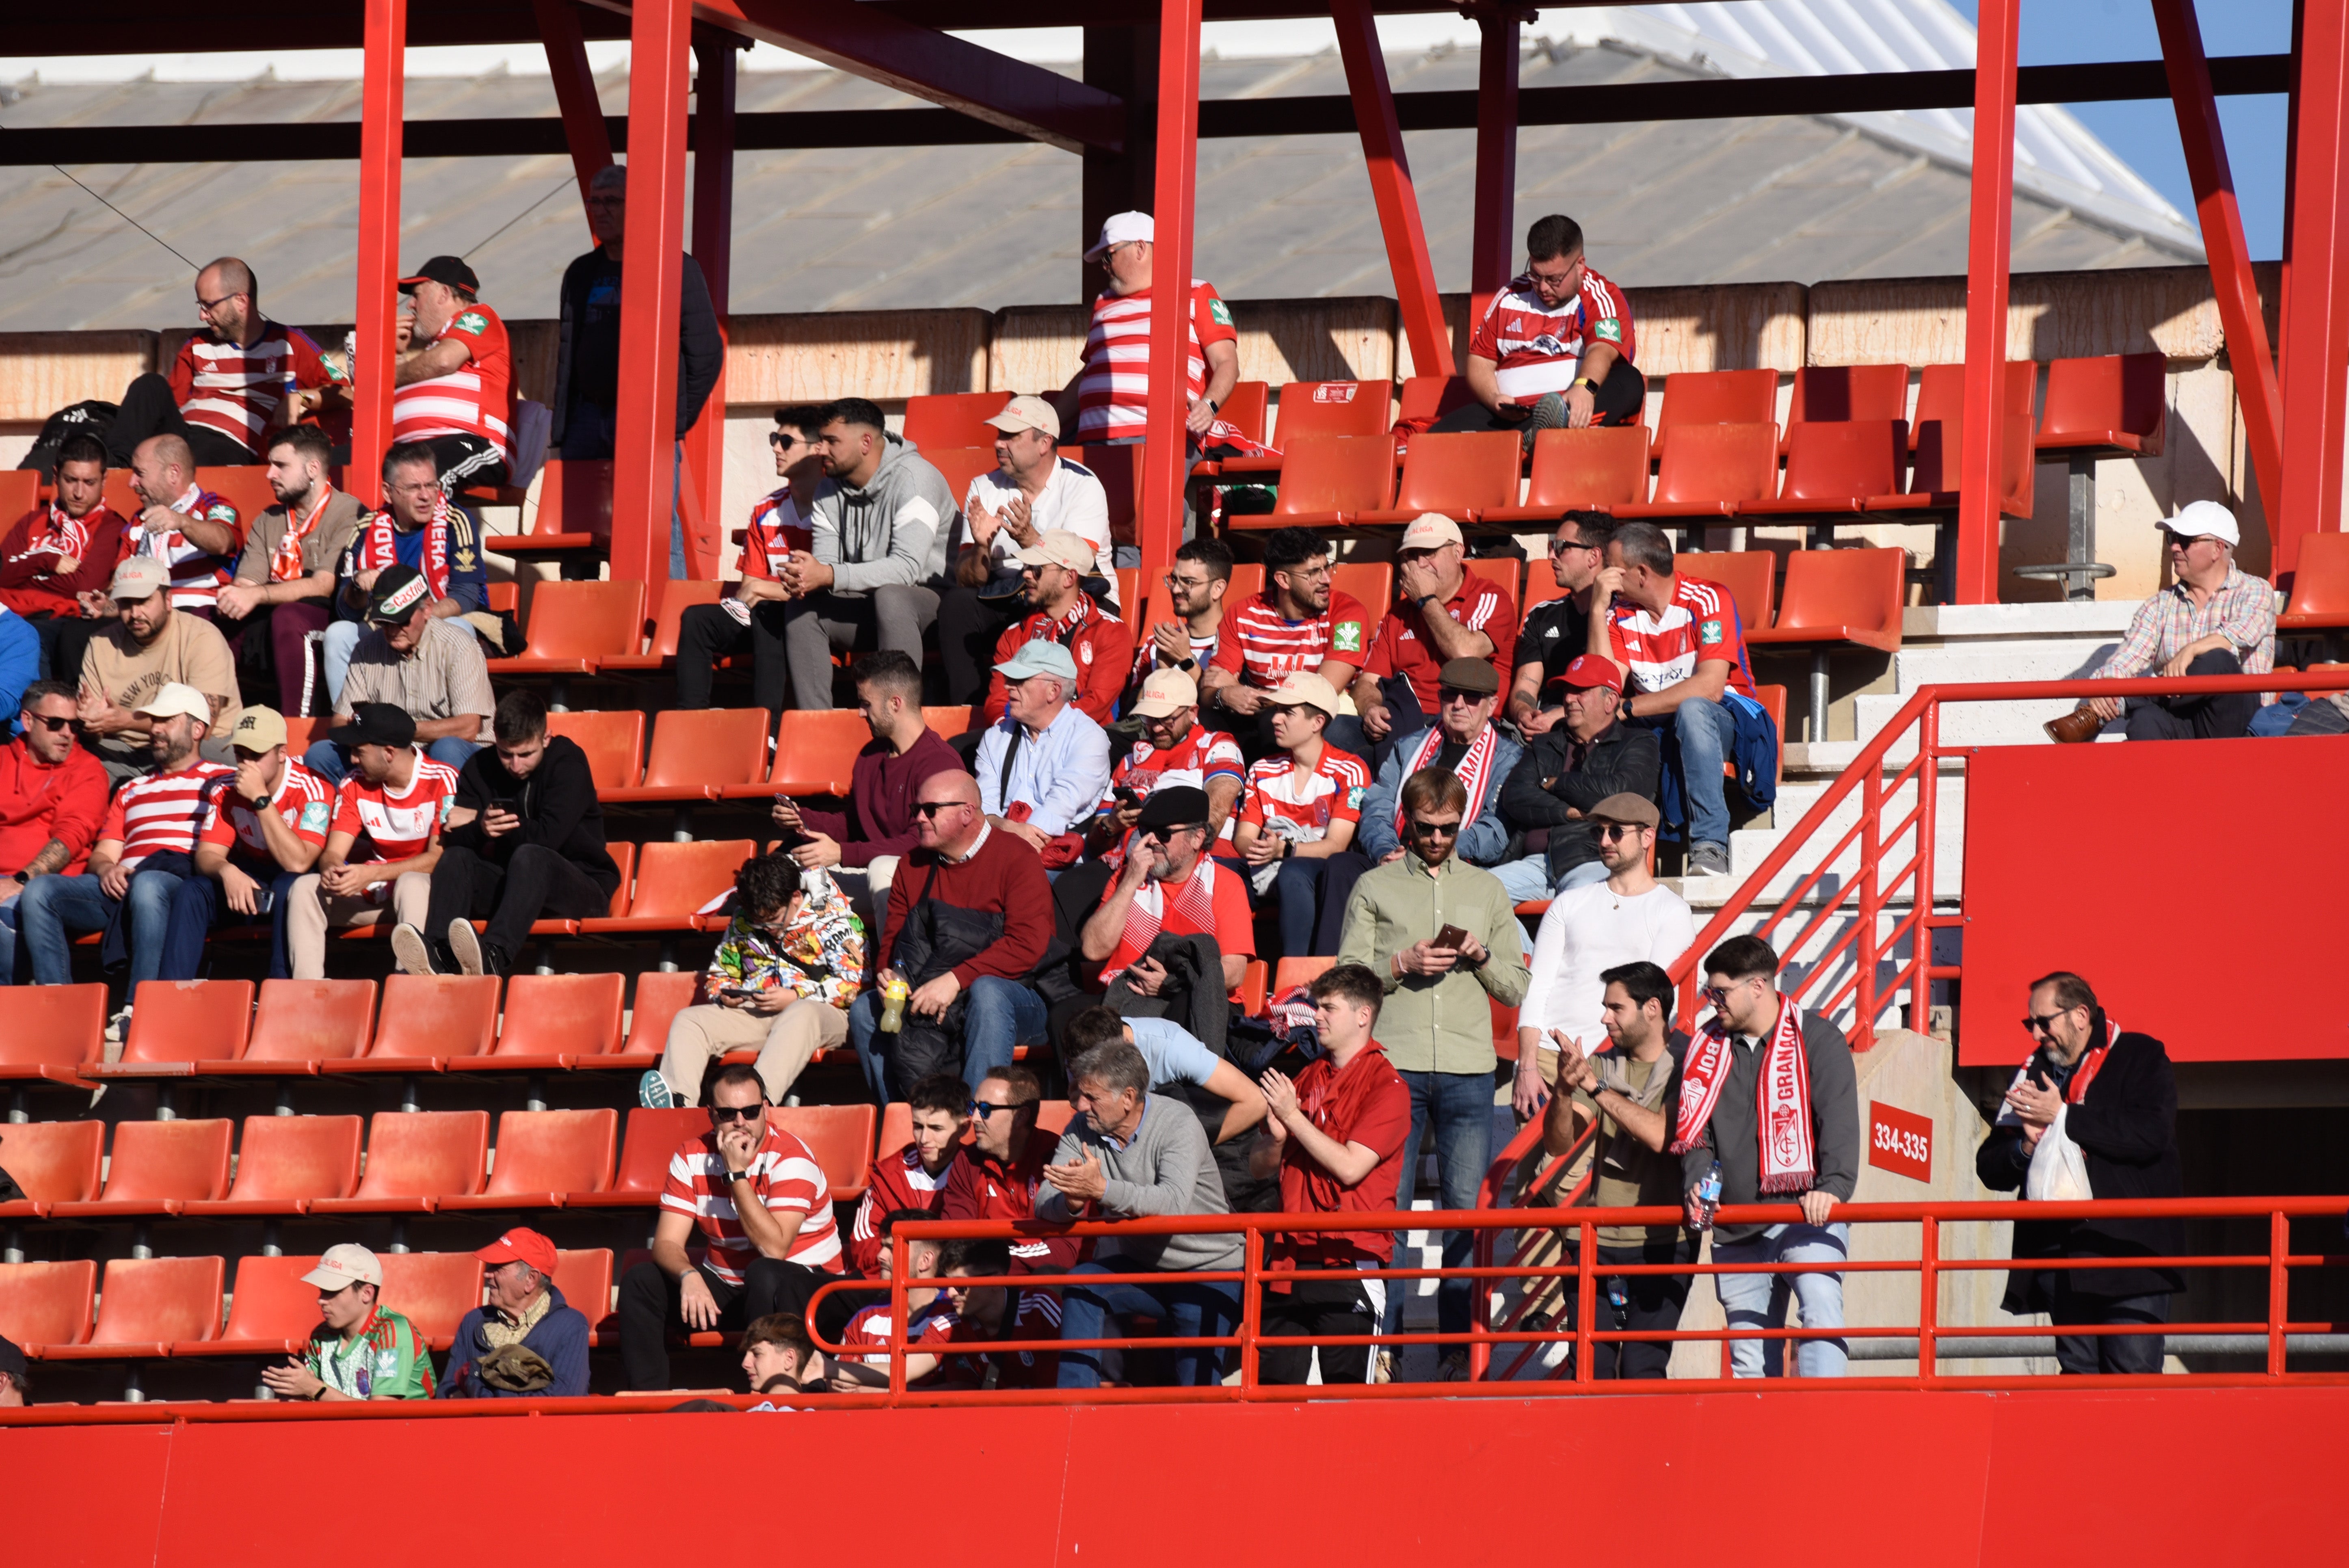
column 1332, row 792
column 1202, row 755
column 238, row 389
column 777, row 527
column 197, row 574
column 1271, row 647
column 1114, row 392
column 1700, row 624
column 896, row 1182
column 1535, row 348
column 304, row 800
column 396, row 827
column 788, row 1181
column 474, row 399
column 163, row 810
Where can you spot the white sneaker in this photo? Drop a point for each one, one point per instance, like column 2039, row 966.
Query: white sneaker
column 408, row 950
column 1383, row 1369
column 117, row 1028
column 466, row 944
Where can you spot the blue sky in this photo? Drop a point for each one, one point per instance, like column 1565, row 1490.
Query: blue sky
column 2067, row 32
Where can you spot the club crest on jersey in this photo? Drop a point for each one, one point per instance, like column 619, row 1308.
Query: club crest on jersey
column 1219, row 313
column 221, row 511
column 1355, row 797
column 1709, row 633
column 473, row 321
column 1346, row 637
column 1085, row 654
column 1609, row 330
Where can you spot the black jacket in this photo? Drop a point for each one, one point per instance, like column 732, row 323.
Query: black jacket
column 1623, row 760
column 557, row 803
column 700, row 351
column 2127, row 1127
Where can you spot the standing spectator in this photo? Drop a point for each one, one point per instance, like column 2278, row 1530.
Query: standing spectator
column 526, row 1341
column 1174, row 749
column 523, row 842
column 146, row 647
column 763, row 1207
column 1464, row 742
column 1565, row 772
column 1171, row 887
column 385, row 840
column 2094, row 1108
column 1043, row 765
column 231, row 383
column 1337, row 1137
column 361, row 1349
column 1556, row 632
column 1301, row 624
column 1438, row 1017
column 778, row 983
column 2214, row 619
column 872, row 579
column 913, row 1176
column 1001, row 1170
column 56, row 560
column 1441, row 614
column 52, row 804
column 1749, row 1065
column 420, row 530
column 965, row 881
column 15, row 1382
column 1629, row 918
column 1196, row 591
column 1555, row 348
column 267, row 826
column 1032, row 491
column 1119, row 1160
column 285, row 586
column 1683, row 654
column 1112, row 388
column 196, row 534
column 1304, row 803
column 1052, row 588
column 750, row 618
column 988, row 1315
column 454, row 376
column 426, row 666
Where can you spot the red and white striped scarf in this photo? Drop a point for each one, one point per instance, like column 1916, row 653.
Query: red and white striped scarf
column 1475, row 771
column 1782, row 1112
column 2083, row 1076
column 285, row 561
column 373, row 550
column 1194, row 902
column 67, row 535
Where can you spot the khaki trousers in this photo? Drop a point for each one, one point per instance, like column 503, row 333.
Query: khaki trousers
column 310, row 913
column 784, row 1041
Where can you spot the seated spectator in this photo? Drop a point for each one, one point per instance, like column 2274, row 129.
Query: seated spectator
column 454, row 377
column 1175, row 750
column 414, row 660
column 1564, row 772
column 1109, row 396
column 1043, row 766
column 1119, row 1162
column 863, row 1360
column 779, row 1357
column 1464, row 742
column 1629, row 917
column 144, row 853
column 1686, row 676
column 861, row 846
column 1336, row 1137
column 20, row 656
column 763, row 1207
column 420, row 530
column 912, row 1178
column 522, row 841
column 1179, row 1062
column 1301, row 624
column 988, row 1314
column 1032, row 491
column 284, row 584
column 1441, row 614
column 1000, row 1172
column 52, row 804
column 2214, row 619
column 778, row 983
column 750, row 618
column 262, row 828
column 149, row 646
column 15, row 1382
column 872, row 579
column 396, row 801
column 1052, row 589
column 197, row 535
column 966, row 924
column 1304, row 802
column 526, row 1341
column 1194, row 591
column 56, row 560
column 360, row 1349
column 229, row 384
column 1556, row 632
column 1174, row 933
column 1553, row 348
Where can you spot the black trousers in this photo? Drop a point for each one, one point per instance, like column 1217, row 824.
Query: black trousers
column 651, row 1303
column 2221, row 715
column 2082, row 1355
column 706, row 634
column 1618, row 401
column 467, row 460
column 535, row 883
column 148, row 409
column 1651, row 1303
column 968, row 626
column 1316, row 1306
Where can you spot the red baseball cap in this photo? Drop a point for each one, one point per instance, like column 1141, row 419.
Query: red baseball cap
column 526, row 1245
column 1589, row 671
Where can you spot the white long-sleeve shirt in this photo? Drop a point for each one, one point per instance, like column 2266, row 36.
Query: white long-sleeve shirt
column 1585, row 933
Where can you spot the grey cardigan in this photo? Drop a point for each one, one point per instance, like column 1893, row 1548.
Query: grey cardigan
column 1165, row 1168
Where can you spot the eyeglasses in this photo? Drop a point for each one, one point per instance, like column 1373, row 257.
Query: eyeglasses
column 982, row 1110
column 1420, row 829
column 1195, row 584
column 931, row 807
column 55, row 725
column 1719, row 995
column 724, row 1113
column 1619, row 830
column 2033, row 1024
column 209, row 306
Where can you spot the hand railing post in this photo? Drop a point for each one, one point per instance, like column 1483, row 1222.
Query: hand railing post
column 2279, row 1288
column 1929, row 1298
column 1586, row 1299
column 901, row 1268
column 1871, row 902
column 1928, row 804
column 1252, row 1307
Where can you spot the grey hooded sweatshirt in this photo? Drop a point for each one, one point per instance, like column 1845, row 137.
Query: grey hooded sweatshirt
column 892, row 530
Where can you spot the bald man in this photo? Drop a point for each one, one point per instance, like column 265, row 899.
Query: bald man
column 197, row 535
column 231, row 383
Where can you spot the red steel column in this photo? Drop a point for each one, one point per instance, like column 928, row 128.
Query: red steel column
column 2316, row 317
column 645, row 445
column 2223, row 240
column 376, row 298
column 713, row 239
column 1390, row 187
column 1493, row 251
column 1166, row 454
column 575, row 90
column 1989, row 230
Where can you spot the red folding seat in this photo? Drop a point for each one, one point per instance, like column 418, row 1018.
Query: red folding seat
column 433, row 1291
column 46, row 1305
column 574, row 510
column 1427, row 398
column 1460, row 475
column 1295, row 971
column 542, row 1155
column 2115, row 405
column 1505, row 1028
column 574, row 626
column 302, row 1023
column 678, row 595
column 960, row 465
column 119, row 497
column 1246, row 408
column 428, row 1019
column 1936, row 437
column 673, row 883
column 176, row 1025
column 159, row 1167
column 584, row 1278
column 1370, row 582
column 661, row 994
column 414, row 1159
column 1850, row 597
column 553, row 1020
column 653, row 1137
column 1501, row 570
column 1312, row 408
column 839, row 1136
column 1711, row 469
column 1750, row 575
column 2320, row 584
column 697, row 753
column 953, row 419
column 286, row 1162
column 1119, row 469
column 1250, row 993
column 148, row 1305
column 1246, row 582
column 816, row 753
column 52, row 1162
column 1325, row 480
column 271, row 1311
column 1715, row 397
column 305, row 730
column 614, row 740
column 1837, row 468
column 947, row 719
column 20, row 491
column 1601, row 468
column 1828, row 394
column 244, row 486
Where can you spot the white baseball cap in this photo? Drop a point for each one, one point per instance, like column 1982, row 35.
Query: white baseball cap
column 176, row 699
column 2198, row 518
column 1431, row 531
column 1119, row 228
column 1165, row 692
column 1027, row 413
column 345, row 1265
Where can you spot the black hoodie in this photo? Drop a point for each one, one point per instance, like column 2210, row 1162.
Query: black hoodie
column 557, row 803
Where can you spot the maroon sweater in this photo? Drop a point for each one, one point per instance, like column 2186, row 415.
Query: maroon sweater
column 880, row 816
column 1005, row 876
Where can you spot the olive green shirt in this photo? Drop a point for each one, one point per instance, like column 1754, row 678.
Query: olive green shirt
column 1436, row 1023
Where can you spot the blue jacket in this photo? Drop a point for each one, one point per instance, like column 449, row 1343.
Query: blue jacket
column 1756, row 756
column 20, row 661
column 561, row 1336
column 1485, row 839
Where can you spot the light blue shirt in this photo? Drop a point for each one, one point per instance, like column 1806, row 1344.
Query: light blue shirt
column 1483, row 836
column 1175, row 1054
column 1060, row 774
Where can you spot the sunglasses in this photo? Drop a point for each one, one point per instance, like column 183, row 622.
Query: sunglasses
column 777, row 439
column 721, row 1114
column 55, row 725
column 931, row 807
column 1420, row 829
column 1454, row 693
column 1617, row 829
column 1560, row 546
column 2033, row 1024
column 982, row 1110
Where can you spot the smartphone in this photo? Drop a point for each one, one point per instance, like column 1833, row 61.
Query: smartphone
column 1451, row 936
column 506, row 804
column 1126, row 797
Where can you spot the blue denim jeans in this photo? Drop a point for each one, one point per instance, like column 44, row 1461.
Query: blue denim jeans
column 1002, row 1015
column 328, row 761
column 198, row 906
column 1707, row 735
column 1457, row 1110
column 9, row 941
column 1296, row 892
column 52, row 910
column 1759, row 1300
column 1527, row 881
column 1188, row 1308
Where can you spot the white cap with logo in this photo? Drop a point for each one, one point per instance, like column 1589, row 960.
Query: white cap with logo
column 1124, row 228
column 346, row 1264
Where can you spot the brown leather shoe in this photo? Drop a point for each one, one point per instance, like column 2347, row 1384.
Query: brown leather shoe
column 2075, row 727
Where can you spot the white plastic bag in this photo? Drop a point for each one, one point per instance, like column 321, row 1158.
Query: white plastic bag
column 2059, row 1172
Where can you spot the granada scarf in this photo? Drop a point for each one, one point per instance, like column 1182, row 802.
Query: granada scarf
column 373, row 550
column 1194, row 900
column 1475, row 772
column 68, row 537
column 285, row 561
column 1782, row 1098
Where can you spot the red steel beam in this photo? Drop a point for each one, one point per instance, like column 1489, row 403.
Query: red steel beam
column 713, row 237
column 584, row 130
column 1390, row 187
column 2223, row 240
column 1166, row 443
column 2317, row 315
column 375, row 291
column 1492, row 252
column 1990, row 232
column 644, row 444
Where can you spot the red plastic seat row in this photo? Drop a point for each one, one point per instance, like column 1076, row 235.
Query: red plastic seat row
column 948, row 420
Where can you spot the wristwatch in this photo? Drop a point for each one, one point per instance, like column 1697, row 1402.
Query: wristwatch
column 1584, row 381
column 1189, row 664
column 1427, row 599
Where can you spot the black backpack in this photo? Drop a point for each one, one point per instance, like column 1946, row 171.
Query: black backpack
column 88, row 418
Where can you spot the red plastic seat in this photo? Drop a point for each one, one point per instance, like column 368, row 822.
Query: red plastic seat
column 1295, row 971
column 1254, row 981
column 159, row 1167
column 1505, row 1028
column 1828, row 394
column 427, row 1020
column 176, row 1025
column 46, row 1305
column 287, row 1162
column 433, row 1291
column 147, row 1304
column 1247, row 407
column 1501, row 570
column 1715, row 397
column 839, row 1136
column 1750, row 575
column 953, row 419
column 1426, row 399
column 1834, row 467
column 53, row 1163
column 1460, row 475
column 697, row 753
column 302, row 1023
column 553, row 1020
column 415, row 1159
column 20, row 491
column 574, row 626
column 304, row 730
column 960, row 465
column 948, row 720
column 584, row 1278
column 2320, row 584
column 270, row 1313
column 1119, row 469
column 1601, row 468
column 1711, row 469
column 1311, row 408
column 678, row 595
column 542, row 1155
column 2116, row 403
column 244, row 486
column 1246, row 582
column 1326, row 480
column 661, row 995
column 1840, row 596
column 673, row 883
column 614, row 740
column 119, row 497
column 1938, row 439
column 815, row 754
column 1371, row 583
column 574, row 510
column 653, row 1137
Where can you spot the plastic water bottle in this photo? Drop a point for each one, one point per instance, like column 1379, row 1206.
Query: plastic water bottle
column 1708, row 1197
column 894, row 992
